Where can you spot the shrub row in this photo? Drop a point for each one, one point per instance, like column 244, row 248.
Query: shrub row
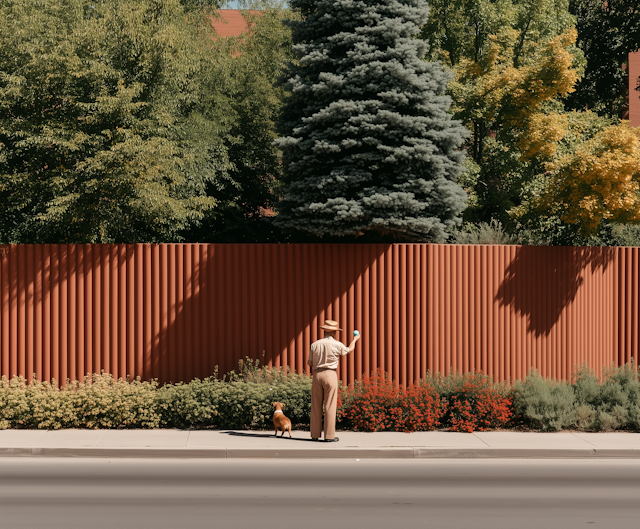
column 243, row 400
column 472, row 402
column 237, row 401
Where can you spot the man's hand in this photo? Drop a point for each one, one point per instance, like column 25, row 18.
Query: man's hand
column 352, row 345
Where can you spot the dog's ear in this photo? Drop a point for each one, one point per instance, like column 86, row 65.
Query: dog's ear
column 282, row 405
column 273, row 404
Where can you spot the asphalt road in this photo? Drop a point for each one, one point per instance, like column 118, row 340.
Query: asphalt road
column 229, row 494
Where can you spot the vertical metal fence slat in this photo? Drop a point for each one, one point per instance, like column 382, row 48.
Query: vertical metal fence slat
column 176, row 311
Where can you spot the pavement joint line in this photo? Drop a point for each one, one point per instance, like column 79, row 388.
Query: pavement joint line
column 575, row 434
column 102, row 438
column 481, row 440
column 44, row 432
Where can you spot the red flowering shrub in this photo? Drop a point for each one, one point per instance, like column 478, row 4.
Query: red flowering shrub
column 377, row 404
column 371, row 405
column 476, row 404
column 423, row 408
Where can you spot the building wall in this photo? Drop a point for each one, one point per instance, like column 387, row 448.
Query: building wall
column 634, row 94
column 176, row 311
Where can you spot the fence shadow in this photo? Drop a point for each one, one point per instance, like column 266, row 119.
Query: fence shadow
column 540, row 283
column 259, row 301
column 172, row 312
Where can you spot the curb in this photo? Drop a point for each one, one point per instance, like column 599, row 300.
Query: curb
column 322, row 453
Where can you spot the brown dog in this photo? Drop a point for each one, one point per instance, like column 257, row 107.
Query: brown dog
column 280, row 422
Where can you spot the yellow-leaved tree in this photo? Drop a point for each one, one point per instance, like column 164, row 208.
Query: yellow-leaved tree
column 599, row 180
column 503, row 92
column 549, row 175
column 513, row 61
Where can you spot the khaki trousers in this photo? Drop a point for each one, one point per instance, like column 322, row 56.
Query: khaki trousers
column 324, row 389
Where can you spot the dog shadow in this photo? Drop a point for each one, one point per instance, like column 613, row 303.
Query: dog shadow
column 267, row 436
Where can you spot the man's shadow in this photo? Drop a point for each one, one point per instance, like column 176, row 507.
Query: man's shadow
column 266, row 436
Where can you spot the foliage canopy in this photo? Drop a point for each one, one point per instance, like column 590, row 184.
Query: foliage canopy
column 513, row 60
column 597, row 181
column 242, row 90
column 607, row 32
column 100, row 132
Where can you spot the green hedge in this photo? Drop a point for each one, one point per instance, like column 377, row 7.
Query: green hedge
column 212, row 403
column 242, row 400
column 237, row 401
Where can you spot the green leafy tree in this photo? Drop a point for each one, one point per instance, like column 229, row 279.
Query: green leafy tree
column 101, row 130
column 251, row 100
column 513, row 61
column 547, row 174
column 607, row 32
column 463, row 29
column 369, row 150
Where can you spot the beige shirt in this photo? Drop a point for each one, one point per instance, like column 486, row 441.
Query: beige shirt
column 326, row 353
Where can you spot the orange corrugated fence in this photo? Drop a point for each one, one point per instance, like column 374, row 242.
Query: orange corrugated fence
column 176, row 311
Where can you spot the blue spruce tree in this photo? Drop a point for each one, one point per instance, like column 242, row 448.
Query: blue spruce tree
column 369, row 149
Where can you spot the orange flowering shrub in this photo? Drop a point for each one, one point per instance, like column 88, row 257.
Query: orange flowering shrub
column 377, row 404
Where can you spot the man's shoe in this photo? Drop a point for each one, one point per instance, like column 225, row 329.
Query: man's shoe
column 314, row 438
column 334, row 440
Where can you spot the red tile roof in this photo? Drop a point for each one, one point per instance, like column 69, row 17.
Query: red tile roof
column 231, row 23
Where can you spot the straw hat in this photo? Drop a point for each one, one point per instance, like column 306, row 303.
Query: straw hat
column 330, row 325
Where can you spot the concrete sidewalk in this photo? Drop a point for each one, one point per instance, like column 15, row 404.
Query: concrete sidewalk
column 352, row 445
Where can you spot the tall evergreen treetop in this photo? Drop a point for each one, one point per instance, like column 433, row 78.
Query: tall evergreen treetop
column 368, row 146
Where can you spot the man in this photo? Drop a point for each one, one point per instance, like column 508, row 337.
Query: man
column 324, row 357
